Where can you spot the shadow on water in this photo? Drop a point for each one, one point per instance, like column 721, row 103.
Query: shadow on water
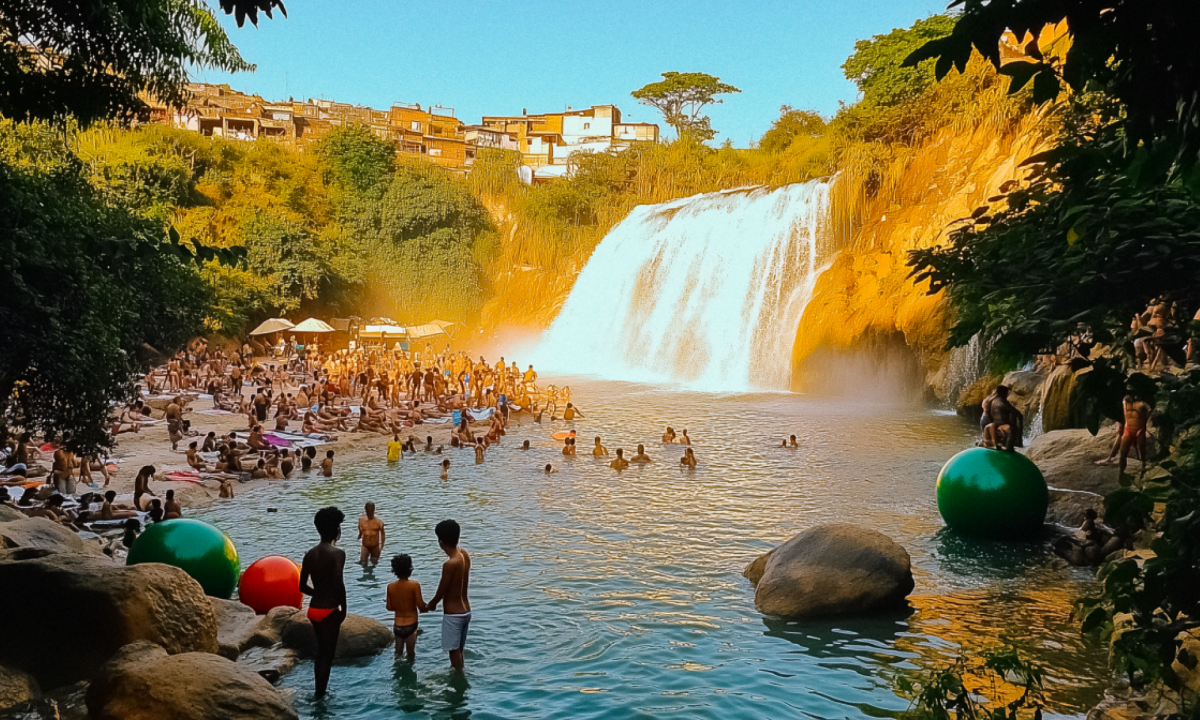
column 963, row 555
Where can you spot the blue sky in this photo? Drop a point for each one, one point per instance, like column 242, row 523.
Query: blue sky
column 497, row 57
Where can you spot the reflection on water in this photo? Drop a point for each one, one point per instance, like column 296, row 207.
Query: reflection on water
column 608, row 595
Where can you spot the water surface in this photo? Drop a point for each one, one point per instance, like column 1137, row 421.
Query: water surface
column 606, row 595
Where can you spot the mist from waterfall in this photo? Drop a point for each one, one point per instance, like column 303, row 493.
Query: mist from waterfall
column 706, row 291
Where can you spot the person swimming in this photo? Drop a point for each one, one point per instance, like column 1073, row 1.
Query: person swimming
column 619, row 462
column 446, row 467
column 641, row 456
column 599, row 450
column 669, row 435
column 550, row 469
column 689, row 459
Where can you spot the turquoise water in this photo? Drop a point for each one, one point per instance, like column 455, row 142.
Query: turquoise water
column 606, row 595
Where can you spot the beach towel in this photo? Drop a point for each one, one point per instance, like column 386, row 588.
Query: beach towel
column 481, row 414
column 275, row 441
column 457, row 415
column 183, row 476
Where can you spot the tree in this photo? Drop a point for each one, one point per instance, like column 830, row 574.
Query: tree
column 681, row 97
column 877, row 65
column 791, row 124
column 94, row 59
column 88, row 287
column 358, row 159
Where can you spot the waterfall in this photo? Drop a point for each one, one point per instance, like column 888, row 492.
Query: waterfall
column 706, row 291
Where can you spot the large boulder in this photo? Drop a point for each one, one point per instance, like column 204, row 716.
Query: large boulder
column 835, row 569
column 1025, row 391
column 9, row 513
column 16, row 687
column 360, row 636
column 754, row 571
column 142, row 681
column 1057, row 392
column 41, row 533
column 1067, row 459
column 153, row 602
column 236, row 624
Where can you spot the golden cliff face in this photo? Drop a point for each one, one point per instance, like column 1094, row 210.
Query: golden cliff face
column 867, row 294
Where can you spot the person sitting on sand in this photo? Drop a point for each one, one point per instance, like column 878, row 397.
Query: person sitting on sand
column 688, row 459
column 193, row 458
column 641, row 456
column 111, row 510
column 405, row 601
column 210, row 443
column 599, row 450
column 669, row 435
column 619, row 462
column 327, row 464
column 171, row 507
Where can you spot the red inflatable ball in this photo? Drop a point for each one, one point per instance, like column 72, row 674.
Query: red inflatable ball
column 271, row 582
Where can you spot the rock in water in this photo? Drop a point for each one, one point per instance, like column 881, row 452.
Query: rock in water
column 236, row 623
column 142, row 681
column 835, row 569
column 360, row 636
column 16, row 687
column 122, row 605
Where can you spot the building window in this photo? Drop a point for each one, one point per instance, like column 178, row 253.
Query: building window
column 587, row 126
column 435, row 151
column 416, row 126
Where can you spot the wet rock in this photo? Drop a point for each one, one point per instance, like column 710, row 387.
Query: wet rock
column 1056, row 399
column 42, row 533
column 1067, row 459
column 143, row 681
column 269, row 662
column 122, row 604
column 360, row 636
column 754, row 571
column 16, row 687
column 236, row 623
column 269, row 631
column 834, row 569
column 1026, row 392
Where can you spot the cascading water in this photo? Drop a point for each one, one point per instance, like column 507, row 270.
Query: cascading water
column 707, row 291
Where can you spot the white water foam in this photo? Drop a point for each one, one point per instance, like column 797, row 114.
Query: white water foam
column 706, row 291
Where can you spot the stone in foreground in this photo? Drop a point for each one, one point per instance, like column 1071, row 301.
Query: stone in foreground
column 121, row 605
column 16, row 687
column 835, row 569
column 142, row 681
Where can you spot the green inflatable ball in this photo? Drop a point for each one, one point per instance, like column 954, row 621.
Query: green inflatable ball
column 992, row 493
column 199, row 549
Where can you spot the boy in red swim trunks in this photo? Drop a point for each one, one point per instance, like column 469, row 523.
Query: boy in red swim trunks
column 404, row 599
column 321, row 577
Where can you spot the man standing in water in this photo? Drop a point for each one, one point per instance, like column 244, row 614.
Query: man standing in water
column 456, row 572
column 370, row 532
column 321, row 577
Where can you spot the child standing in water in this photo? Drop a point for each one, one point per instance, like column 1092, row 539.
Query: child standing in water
column 404, row 599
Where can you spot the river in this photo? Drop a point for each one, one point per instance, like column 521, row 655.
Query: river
column 599, row 594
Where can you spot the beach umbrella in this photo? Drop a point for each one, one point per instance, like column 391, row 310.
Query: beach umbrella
column 273, row 325
column 313, row 325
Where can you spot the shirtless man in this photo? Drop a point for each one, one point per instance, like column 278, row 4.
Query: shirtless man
column 226, row 488
column 327, row 464
column 1137, row 417
column 1003, row 424
column 599, row 450
column 571, row 412
column 64, row 464
column 174, row 417
column 669, row 435
column 619, row 462
column 321, row 578
column 456, row 575
column 641, row 456
column 688, row 459
column 372, row 536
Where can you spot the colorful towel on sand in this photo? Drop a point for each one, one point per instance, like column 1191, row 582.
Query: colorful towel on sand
column 183, row 476
column 214, row 412
column 481, row 414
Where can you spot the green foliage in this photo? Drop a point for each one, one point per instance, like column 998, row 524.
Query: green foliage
column 1105, row 222
column 877, row 65
column 91, row 60
column 358, row 159
column 88, row 286
column 791, row 125
column 681, row 97
column 971, row 688
column 421, row 231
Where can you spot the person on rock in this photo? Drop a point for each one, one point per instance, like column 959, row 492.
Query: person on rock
column 321, row 578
